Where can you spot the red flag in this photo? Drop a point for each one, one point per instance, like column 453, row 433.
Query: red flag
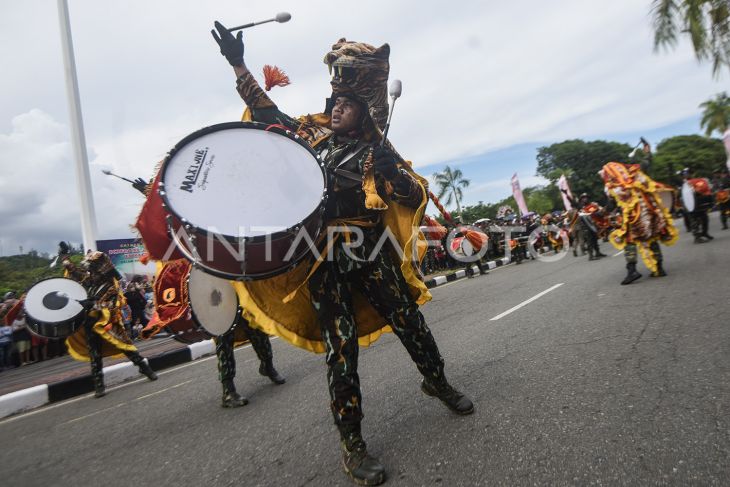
column 152, row 227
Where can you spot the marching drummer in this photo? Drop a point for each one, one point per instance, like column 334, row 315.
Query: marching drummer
column 700, row 192
column 369, row 185
column 103, row 333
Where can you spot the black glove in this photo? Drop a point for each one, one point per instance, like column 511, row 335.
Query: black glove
column 231, row 47
column 139, row 184
column 385, row 163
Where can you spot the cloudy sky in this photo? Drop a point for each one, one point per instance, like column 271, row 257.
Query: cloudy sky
column 484, row 85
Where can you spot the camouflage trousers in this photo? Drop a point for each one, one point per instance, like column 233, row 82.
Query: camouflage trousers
column 224, row 349
column 631, row 254
column 383, row 284
column 93, row 342
column 724, row 214
column 700, row 222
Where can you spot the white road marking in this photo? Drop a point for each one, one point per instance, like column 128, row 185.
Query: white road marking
column 525, row 303
column 93, row 414
column 162, row 390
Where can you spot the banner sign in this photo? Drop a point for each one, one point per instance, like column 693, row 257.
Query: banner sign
column 124, row 254
column 517, row 193
column 563, row 186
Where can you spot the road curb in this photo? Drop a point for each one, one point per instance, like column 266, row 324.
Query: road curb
column 40, row 395
column 461, row 273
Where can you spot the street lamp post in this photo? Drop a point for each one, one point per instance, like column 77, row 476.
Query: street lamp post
column 83, row 179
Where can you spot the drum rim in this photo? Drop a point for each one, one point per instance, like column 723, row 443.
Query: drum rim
column 318, row 212
column 77, row 320
column 195, row 319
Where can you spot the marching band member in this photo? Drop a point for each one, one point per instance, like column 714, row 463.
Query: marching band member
column 699, row 220
column 103, row 333
column 355, row 295
column 645, row 222
column 224, row 344
column 586, row 225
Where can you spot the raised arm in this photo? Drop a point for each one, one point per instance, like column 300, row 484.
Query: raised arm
column 262, row 108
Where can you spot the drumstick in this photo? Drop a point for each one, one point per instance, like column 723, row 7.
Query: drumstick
column 109, row 173
column 281, row 17
column 395, row 90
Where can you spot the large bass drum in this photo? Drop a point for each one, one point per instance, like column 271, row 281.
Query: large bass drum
column 52, row 307
column 240, row 196
column 697, row 194
column 213, row 302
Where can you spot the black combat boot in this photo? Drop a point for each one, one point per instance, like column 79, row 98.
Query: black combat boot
column 632, row 274
column 145, row 369
column 361, row 467
column 267, row 370
column 453, row 399
column 232, row 399
column 659, row 272
column 99, row 389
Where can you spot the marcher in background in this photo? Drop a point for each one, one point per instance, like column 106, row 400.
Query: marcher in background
column 703, row 202
column 585, row 223
column 645, row 221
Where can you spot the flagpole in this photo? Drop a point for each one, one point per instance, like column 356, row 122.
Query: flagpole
column 83, row 179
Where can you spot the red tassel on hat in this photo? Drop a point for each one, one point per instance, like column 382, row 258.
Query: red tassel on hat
column 274, row 76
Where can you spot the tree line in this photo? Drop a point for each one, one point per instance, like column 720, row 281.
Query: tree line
column 580, row 161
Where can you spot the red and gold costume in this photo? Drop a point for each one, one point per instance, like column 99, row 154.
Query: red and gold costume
column 645, row 220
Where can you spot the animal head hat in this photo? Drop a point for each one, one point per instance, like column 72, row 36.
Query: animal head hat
column 360, row 72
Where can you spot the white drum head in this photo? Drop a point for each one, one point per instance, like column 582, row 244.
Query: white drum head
column 213, row 300
column 55, row 300
column 688, row 196
column 243, row 182
column 467, row 248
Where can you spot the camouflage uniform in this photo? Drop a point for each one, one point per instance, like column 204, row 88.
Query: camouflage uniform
column 632, row 256
column 379, row 279
column 383, row 284
column 224, row 350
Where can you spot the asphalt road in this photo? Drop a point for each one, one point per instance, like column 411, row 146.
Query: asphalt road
column 590, row 383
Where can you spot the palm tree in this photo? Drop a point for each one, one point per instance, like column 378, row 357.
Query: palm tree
column 707, row 22
column 716, row 114
column 450, row 183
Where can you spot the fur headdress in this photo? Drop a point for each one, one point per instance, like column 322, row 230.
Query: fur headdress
column 361, row 72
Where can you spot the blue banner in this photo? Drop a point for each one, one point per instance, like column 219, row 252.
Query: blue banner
column 124, row 254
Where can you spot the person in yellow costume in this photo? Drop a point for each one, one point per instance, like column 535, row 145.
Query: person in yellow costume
column 333, row 304
column 103, row 333
column 645, row 221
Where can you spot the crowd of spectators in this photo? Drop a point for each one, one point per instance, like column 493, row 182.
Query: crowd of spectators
column 18, row 346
